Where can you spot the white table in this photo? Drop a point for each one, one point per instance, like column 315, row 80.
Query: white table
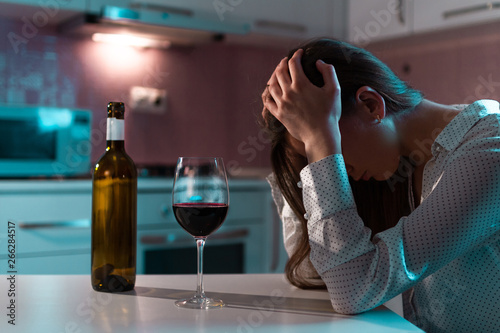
column 256, row 303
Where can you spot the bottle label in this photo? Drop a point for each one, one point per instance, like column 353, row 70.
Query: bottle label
column 115, row 129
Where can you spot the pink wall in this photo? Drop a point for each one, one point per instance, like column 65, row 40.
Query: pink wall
column 213, row 92
column 213, row 96
column 453, row 66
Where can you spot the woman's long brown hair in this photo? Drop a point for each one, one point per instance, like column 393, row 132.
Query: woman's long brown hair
column 380, row 204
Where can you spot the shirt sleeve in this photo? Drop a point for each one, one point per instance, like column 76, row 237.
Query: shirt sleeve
column 292, row 229
column 461, row 212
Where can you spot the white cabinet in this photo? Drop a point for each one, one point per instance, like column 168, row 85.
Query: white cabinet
column 53, row 225
column 373, row 20
column 42, row 13
column 376, row 20
column 432, row 15
column 251, row 225
column 51, row 220
column 78, row 5
column 287, row 22
column 287, row 18
column 75, row 263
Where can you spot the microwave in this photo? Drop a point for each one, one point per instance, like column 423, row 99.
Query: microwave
column 44, row 141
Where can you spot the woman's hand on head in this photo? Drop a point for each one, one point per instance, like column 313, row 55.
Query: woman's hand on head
column 310, row 114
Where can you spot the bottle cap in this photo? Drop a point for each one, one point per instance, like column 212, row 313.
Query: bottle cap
column 116, row 110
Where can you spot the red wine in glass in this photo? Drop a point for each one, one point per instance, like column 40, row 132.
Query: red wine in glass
column 200, row 219
column 200, row 201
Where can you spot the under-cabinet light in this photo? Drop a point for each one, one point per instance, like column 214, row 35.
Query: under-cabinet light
column 130, row 40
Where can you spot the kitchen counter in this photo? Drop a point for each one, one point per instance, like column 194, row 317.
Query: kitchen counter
column 10, row 186
column 52, row 220
column 255, row 302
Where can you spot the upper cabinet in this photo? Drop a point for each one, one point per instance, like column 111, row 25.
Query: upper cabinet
column 298, row 19
column 432, row 14
column 41, row 13
column 50, row 6
column 278, row 20
column 261, row 22
column 281, row 22
column 373, row 20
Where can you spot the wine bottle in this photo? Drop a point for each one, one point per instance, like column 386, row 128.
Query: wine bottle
column 114, row 211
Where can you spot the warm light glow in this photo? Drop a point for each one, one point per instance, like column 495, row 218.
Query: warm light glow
column 130, row 40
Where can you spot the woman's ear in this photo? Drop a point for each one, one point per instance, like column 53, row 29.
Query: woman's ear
column 371, row 102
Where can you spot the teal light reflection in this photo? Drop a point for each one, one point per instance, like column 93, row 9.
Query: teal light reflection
column 51, row 119
column 412, row 276
column 196, row 198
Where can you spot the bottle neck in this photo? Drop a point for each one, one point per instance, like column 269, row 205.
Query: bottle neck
column 115, row 134
column 118, row 145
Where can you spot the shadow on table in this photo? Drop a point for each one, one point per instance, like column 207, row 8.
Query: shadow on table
column 320, row 308
column 275, row 303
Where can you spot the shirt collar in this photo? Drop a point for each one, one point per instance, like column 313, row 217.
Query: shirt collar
column 451, row 136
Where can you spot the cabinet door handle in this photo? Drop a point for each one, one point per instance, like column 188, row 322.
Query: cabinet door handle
column 158, row 240
column 151, row 239
column 230, row 234
column 472, row 9
column 401, row 11
column 275, row 25
column 86, row 223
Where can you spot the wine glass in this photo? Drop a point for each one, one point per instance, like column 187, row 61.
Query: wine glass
column 200, row 202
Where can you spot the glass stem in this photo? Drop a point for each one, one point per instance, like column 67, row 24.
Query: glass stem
column 200, row 244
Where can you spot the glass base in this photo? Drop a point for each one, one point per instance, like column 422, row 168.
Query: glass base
column 197, row 302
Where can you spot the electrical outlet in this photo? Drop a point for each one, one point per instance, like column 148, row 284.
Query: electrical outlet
column 148, row 100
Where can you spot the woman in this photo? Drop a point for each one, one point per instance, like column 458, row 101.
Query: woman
column 381, row 191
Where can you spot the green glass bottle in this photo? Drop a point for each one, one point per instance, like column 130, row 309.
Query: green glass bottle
column 114, row 211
